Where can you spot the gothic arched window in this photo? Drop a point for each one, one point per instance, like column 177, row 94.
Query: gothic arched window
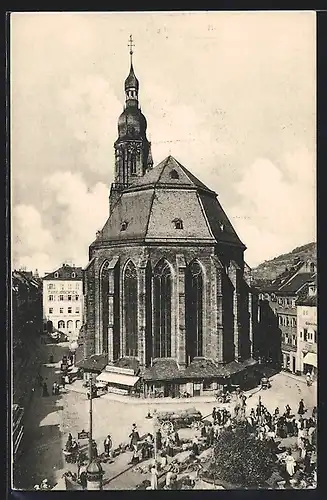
column 130, row 308
column 104, row 284
column 194, row 310
column 162, row 291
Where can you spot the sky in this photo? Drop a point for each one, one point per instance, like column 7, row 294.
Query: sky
column 231, row 95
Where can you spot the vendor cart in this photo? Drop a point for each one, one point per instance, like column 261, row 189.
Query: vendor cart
column 180, row 418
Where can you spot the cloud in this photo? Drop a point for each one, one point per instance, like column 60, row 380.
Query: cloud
column 72, row 212
column 230, row 95
column 28, row 231
column 277, row 209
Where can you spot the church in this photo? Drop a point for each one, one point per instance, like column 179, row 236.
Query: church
column 167, row 292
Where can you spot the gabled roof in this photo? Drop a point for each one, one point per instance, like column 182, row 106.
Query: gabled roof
column 25, row 279
column 148, row 208
column 162, row 369
column 309, row 300
column 65, row 272
column 96, row 362
column 199, row 368
column 128, row 362
column 295, row 284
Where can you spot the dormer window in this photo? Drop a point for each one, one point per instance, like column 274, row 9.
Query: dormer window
column 174, row 174
column 178, row 223
column 73, row 275
column 123, row 226
column 56, row 275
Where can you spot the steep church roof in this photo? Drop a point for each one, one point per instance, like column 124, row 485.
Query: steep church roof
column 168, row 204
column 169, row 173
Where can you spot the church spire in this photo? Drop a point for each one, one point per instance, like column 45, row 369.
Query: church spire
column 131, row 82
column 133, row 156
column 131, row 45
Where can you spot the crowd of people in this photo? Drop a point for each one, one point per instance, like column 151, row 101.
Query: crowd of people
column 300, row 472
column 297, row 463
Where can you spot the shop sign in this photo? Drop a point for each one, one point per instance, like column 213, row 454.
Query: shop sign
column 121, row 371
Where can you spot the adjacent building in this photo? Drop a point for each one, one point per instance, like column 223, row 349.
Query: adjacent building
column 63, row 301
column 306, row 355
column 26, row 324
column 167, row 291
column 280, row 298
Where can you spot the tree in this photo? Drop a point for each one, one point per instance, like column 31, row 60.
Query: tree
column 240, row 459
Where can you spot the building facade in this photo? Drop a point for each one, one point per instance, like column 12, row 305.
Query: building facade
column 26, row 324
column 166, row 283
column 280, row 297
column 307, row 360
column 63, row 301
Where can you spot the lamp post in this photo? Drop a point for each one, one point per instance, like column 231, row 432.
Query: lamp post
column 155, row 430
column 94, row 470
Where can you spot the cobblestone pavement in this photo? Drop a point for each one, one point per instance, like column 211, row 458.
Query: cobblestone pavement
column 52, row 418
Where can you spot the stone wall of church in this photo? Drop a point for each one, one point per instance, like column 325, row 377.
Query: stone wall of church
column 225, row 311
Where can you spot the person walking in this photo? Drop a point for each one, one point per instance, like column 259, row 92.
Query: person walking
column 290, row 463
column 154, row 478
column 107, row 444
column 159, row 439
column 300, row 436
column 134, row 436
column 45, row 391
column 287, row 411
column 94, row 449
column 301, row 409
column 177, row 439
column 195, row 447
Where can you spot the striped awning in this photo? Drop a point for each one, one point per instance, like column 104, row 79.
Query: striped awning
column 117, row 379
column 310, row 359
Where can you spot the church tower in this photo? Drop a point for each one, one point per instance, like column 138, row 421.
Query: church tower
column 133, row 156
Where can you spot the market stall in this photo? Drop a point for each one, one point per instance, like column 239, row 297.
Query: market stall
column 118, row 380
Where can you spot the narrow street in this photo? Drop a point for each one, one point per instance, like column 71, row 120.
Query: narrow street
column 42, row 443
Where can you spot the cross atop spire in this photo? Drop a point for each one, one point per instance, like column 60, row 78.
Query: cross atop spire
column 131, row 45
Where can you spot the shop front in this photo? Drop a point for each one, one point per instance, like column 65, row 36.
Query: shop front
column 310, row 364
column 203, row 377
column 119, row 380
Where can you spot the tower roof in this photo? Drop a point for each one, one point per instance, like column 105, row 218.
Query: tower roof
column 131, row 81
column 150, row 207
